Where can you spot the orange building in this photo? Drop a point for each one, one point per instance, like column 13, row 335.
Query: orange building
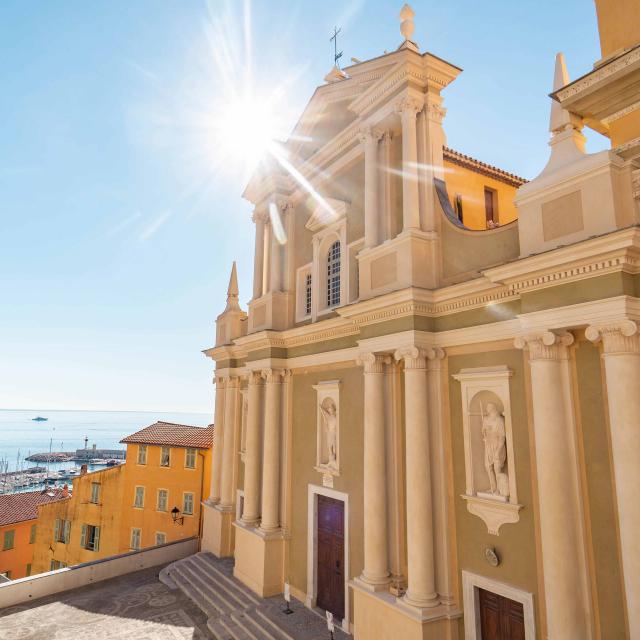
column 18, row 528
column 152, row 499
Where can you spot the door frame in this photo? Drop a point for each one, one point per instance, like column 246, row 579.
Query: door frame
column 312, row 547
column 471, row 583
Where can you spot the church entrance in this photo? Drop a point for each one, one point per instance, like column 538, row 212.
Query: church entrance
column 331, row 576
column 500, row 617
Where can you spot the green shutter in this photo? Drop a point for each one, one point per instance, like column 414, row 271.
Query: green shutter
column 83, row 537
column 56, row 530
column 96, row 538
column 67, row 531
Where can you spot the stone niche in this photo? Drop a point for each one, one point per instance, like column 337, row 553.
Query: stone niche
column 328, row 430
column 490, row 492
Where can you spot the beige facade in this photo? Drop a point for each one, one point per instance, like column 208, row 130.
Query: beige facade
column 446, row 416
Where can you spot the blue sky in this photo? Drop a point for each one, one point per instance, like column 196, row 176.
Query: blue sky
column 120, row 217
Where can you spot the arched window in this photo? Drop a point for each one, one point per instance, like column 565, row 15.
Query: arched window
column 333, row 275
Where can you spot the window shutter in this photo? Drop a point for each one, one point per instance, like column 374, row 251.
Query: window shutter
column 83, row 537
column 96, row 539
column 67, row 531
column 56, row 530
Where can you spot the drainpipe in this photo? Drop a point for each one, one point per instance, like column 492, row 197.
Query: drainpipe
column 201, row 455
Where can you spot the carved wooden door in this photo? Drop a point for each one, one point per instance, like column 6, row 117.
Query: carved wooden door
column 500, row 618
column 331, row 575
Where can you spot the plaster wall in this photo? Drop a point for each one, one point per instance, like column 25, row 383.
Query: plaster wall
column 15, row 560
column 304, row 459
column 470, row 185
column 617, row 28
column 515, row 545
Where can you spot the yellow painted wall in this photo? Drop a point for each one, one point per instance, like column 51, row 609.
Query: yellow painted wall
column 115, row 513
column 80, row 510
column 15, row 560
column 470, row 185
column 177, row 480
column 618, row 24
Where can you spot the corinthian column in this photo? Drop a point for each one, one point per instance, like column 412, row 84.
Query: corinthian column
column 271, row 451
column 561, row 531
column 369, row 138
column 253, row 454
column 421, row 590
column 408, row 108
column 258, row 258
column 376, row 560
column 218, row 439
column 621, row 354
column 275, row 273
column 227, row 498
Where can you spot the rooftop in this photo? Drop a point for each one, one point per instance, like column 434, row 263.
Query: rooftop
column 18, row 507
column 172, row 435
column 451, row 155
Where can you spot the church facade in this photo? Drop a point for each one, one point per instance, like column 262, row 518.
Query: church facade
column 426, row 422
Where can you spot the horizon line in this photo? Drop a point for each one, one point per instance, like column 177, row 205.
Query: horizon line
column 111, row 410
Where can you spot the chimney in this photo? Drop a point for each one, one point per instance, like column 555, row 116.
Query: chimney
column 65, row 491
column 83, row 470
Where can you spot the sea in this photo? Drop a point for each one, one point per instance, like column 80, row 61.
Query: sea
column 21, row 436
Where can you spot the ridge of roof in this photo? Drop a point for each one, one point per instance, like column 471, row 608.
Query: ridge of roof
column 489, row 170
column 172, row 434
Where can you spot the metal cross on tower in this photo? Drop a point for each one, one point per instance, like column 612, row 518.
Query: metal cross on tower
column 334, row 38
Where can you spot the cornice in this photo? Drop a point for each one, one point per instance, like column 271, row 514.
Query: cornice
column 603, row 73
column 482, row 168
column 613, row 252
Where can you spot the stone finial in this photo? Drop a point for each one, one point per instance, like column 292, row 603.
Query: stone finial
column 407, row 27
column 567, row 142
column 560, row 118
column 232, row 290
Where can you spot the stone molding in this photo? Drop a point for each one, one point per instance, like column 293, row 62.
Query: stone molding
column 603, row 73
column 620, row 338
column 546, row 345
column 373, row 362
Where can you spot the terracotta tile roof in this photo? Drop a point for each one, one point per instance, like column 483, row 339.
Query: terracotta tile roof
column 482, row 167
column 172, row 435
column 18, row 507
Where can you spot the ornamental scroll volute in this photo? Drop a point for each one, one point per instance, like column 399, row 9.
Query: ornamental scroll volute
column 328, row 429
column 490, row 491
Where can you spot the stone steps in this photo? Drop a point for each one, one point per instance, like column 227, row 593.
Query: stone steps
column 235, row 612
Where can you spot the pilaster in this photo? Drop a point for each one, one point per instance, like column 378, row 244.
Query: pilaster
column 560, row 501
column 621, row 355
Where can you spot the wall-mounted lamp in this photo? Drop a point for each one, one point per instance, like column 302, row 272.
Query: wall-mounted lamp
column 175, row 516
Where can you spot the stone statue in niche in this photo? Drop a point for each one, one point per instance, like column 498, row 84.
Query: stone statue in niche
column 329, row 414
column 495, row 450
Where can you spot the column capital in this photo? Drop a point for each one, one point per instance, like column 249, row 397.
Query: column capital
column 387, row 138
column 546, row 345
column 273, row 376
column 409, row 106
column 434, row 111
column 219, row 381
column 373, row 362
column 414, row 357
column 617, row 337
column 259, row 215
column 233, row 382
column 254, row 377
column 367, row 133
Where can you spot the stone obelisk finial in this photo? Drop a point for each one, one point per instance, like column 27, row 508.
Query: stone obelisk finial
column 232, row 291
column 567, row 142
column 407, row 27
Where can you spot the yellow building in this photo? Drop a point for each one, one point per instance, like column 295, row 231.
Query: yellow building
column 18, row 529
column 152, row 499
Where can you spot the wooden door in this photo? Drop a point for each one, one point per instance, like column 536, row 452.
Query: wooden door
column 331, row 556
column 500, row 618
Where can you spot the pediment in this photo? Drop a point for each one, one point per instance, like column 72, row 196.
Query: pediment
column 328, row 213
